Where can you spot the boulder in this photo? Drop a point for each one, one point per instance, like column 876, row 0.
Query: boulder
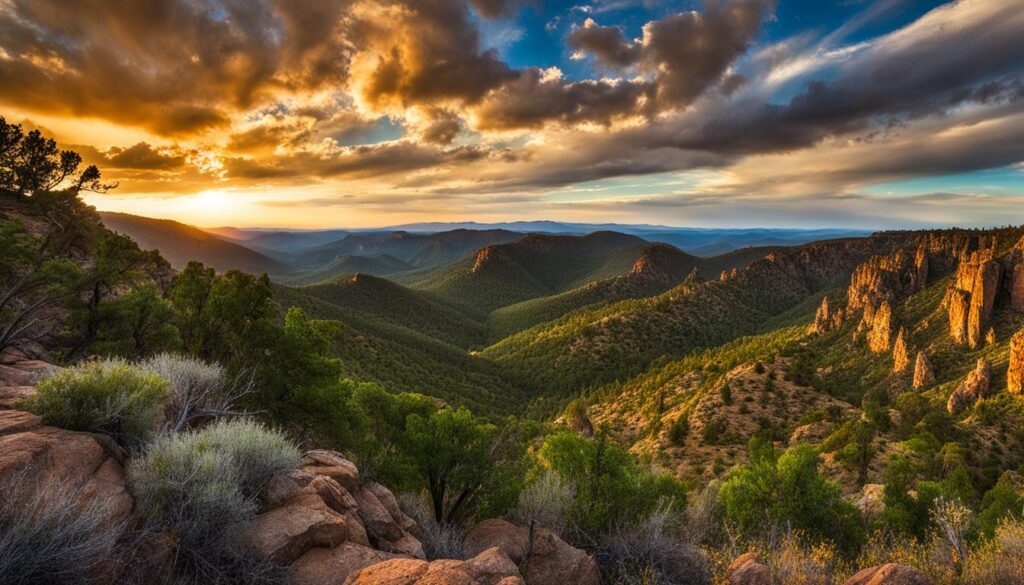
column 25, row 372
column 379, row 523
column 552, row 559
column 1015, row 374
column 746, row 570
column 334, row 466
column 284, row 534
column 924, row 375
column 43, row 454
column 390, row 503
column 490, row 567
column 889, row 574
column 974, row 387
column 331, row 566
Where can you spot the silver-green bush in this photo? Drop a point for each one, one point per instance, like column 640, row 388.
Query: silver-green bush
column 199, row 392
column 107, row 396
column 48, row 534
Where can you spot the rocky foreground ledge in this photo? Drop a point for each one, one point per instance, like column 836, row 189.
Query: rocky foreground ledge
column 321, row 520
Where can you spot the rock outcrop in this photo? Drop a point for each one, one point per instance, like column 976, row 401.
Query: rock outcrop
column 983, row 298
column 958, row 307
column 1017, row 289
column 880, row 326
column 89, row 465
column 746, row 570
column 550, row 560
column 323, row 523
column 1015, row 374
column 900, row 353
column 924, row 375
column 972, row 389
column 825, row 319
column 889, row 574
column 491, row 567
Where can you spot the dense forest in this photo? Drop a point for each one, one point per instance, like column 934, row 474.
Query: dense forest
column 662, row 412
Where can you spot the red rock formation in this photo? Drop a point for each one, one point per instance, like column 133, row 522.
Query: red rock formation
column 490, row 567
column 983, row 297
column 881, row 325
column 923, row 373
column 1017, row 290
column 889, row 574
column 1015, row 375
column 973, row 388
column 958, row 306
column 900, row 354
column 551, row 560
column 746, row 570
column 825, row 319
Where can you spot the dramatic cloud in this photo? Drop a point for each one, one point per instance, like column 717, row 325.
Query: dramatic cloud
column 428, row 106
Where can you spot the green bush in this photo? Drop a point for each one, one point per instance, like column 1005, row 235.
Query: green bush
column 109, row 396
column 197, row 483
column 786, row 490
column 609, row 487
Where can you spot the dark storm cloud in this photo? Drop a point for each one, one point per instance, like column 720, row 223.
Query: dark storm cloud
column 928, row 69
column 606, row 43
column 534, row 100
column 686, row 53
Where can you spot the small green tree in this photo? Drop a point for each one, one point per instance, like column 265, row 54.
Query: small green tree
column 787, row 490
column 451, row 449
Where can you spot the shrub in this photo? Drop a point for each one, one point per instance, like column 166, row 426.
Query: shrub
column 787, row 490
column 440, row 540
column 198, row 391
column 999, row 560
column 198, row 482
column 545, row 500
column 679, row 430
column 108, row 396
column 48, row 534
column 650, row 551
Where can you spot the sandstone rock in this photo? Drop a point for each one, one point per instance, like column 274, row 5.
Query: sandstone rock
column 889, row 574
column 973, row 388
column 490, row 567
column 379, row 523
column 900, row 354
column 406, row 545
column 958, row 306
column 924, row 375
column 331, row 566
column 25, row 372
column 983, row 297
column 881, row 326
column 284, row 534
column 990, row 337
column 552, row 559
column 46, row 455
column 10, row 396
column 746, row 570
column 1015, row 374
column 825, row 319
column 333, row 466
column 1017, row 289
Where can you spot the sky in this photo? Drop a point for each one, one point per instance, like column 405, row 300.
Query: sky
column 363, row 113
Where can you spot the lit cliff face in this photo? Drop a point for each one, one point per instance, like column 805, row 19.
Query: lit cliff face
column 381, row 111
